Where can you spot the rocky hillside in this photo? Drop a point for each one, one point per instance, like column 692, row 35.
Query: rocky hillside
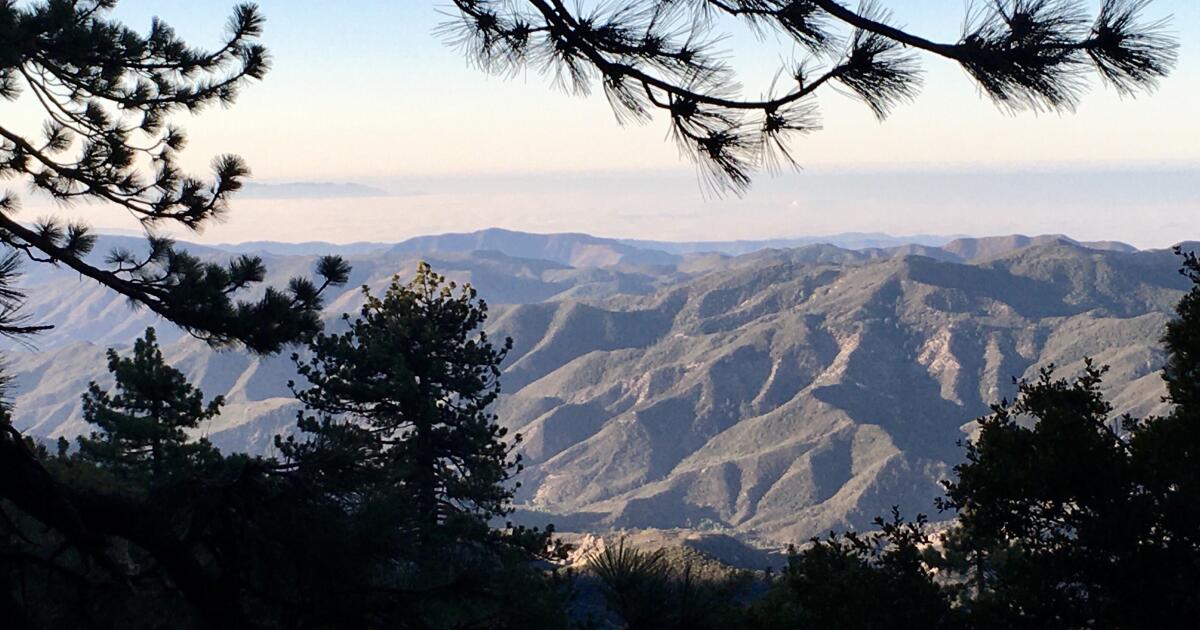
column 790, row 398
column 773, row 395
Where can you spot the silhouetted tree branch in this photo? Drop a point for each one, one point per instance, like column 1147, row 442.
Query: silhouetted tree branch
column 107, row 92
column 662, row 55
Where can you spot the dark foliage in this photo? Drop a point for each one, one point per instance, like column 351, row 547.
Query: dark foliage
column 171, row 533
column 142, row 427
column 1069, row 517
column 401, row 438
column 646, row 590
column 108, row 92
column 879, row 580
column 1182, row 338
column 123, row 534
column 401, row 402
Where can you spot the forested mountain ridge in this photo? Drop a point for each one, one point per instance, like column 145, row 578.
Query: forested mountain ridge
column 774, row 395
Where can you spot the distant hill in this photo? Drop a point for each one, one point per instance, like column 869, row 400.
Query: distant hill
column 848, row 240
column 586, row 250
column 577, row 250
column 770, row 396
column 978, row 248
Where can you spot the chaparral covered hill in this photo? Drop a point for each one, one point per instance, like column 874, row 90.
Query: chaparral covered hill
column 774, row 395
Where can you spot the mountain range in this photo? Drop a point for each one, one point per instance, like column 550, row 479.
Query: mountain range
column 771, row 395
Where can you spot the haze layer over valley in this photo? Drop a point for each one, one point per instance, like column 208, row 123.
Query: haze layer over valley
column 774, row 395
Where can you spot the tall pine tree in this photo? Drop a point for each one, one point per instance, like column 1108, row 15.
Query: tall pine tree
column 143, row 423
column 400, row 411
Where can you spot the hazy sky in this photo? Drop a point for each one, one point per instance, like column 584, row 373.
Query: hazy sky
column 364, row 91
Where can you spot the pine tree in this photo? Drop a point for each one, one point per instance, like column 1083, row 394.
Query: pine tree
column 1071, row 517
column 143, row 425
column 401, row 411
column 108, row 93
column 1182, row 339
column 397, row 435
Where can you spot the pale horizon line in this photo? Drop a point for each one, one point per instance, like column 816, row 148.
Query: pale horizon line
column 978, row 167
column 620, row 239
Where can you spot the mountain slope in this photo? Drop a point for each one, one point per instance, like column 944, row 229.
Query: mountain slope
column 82, row 310
column 796, row 398
column 773, row 395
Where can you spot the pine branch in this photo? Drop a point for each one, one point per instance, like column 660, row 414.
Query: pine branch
column 661, row 55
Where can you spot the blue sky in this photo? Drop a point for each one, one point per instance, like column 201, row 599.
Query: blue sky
column 364, row 91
